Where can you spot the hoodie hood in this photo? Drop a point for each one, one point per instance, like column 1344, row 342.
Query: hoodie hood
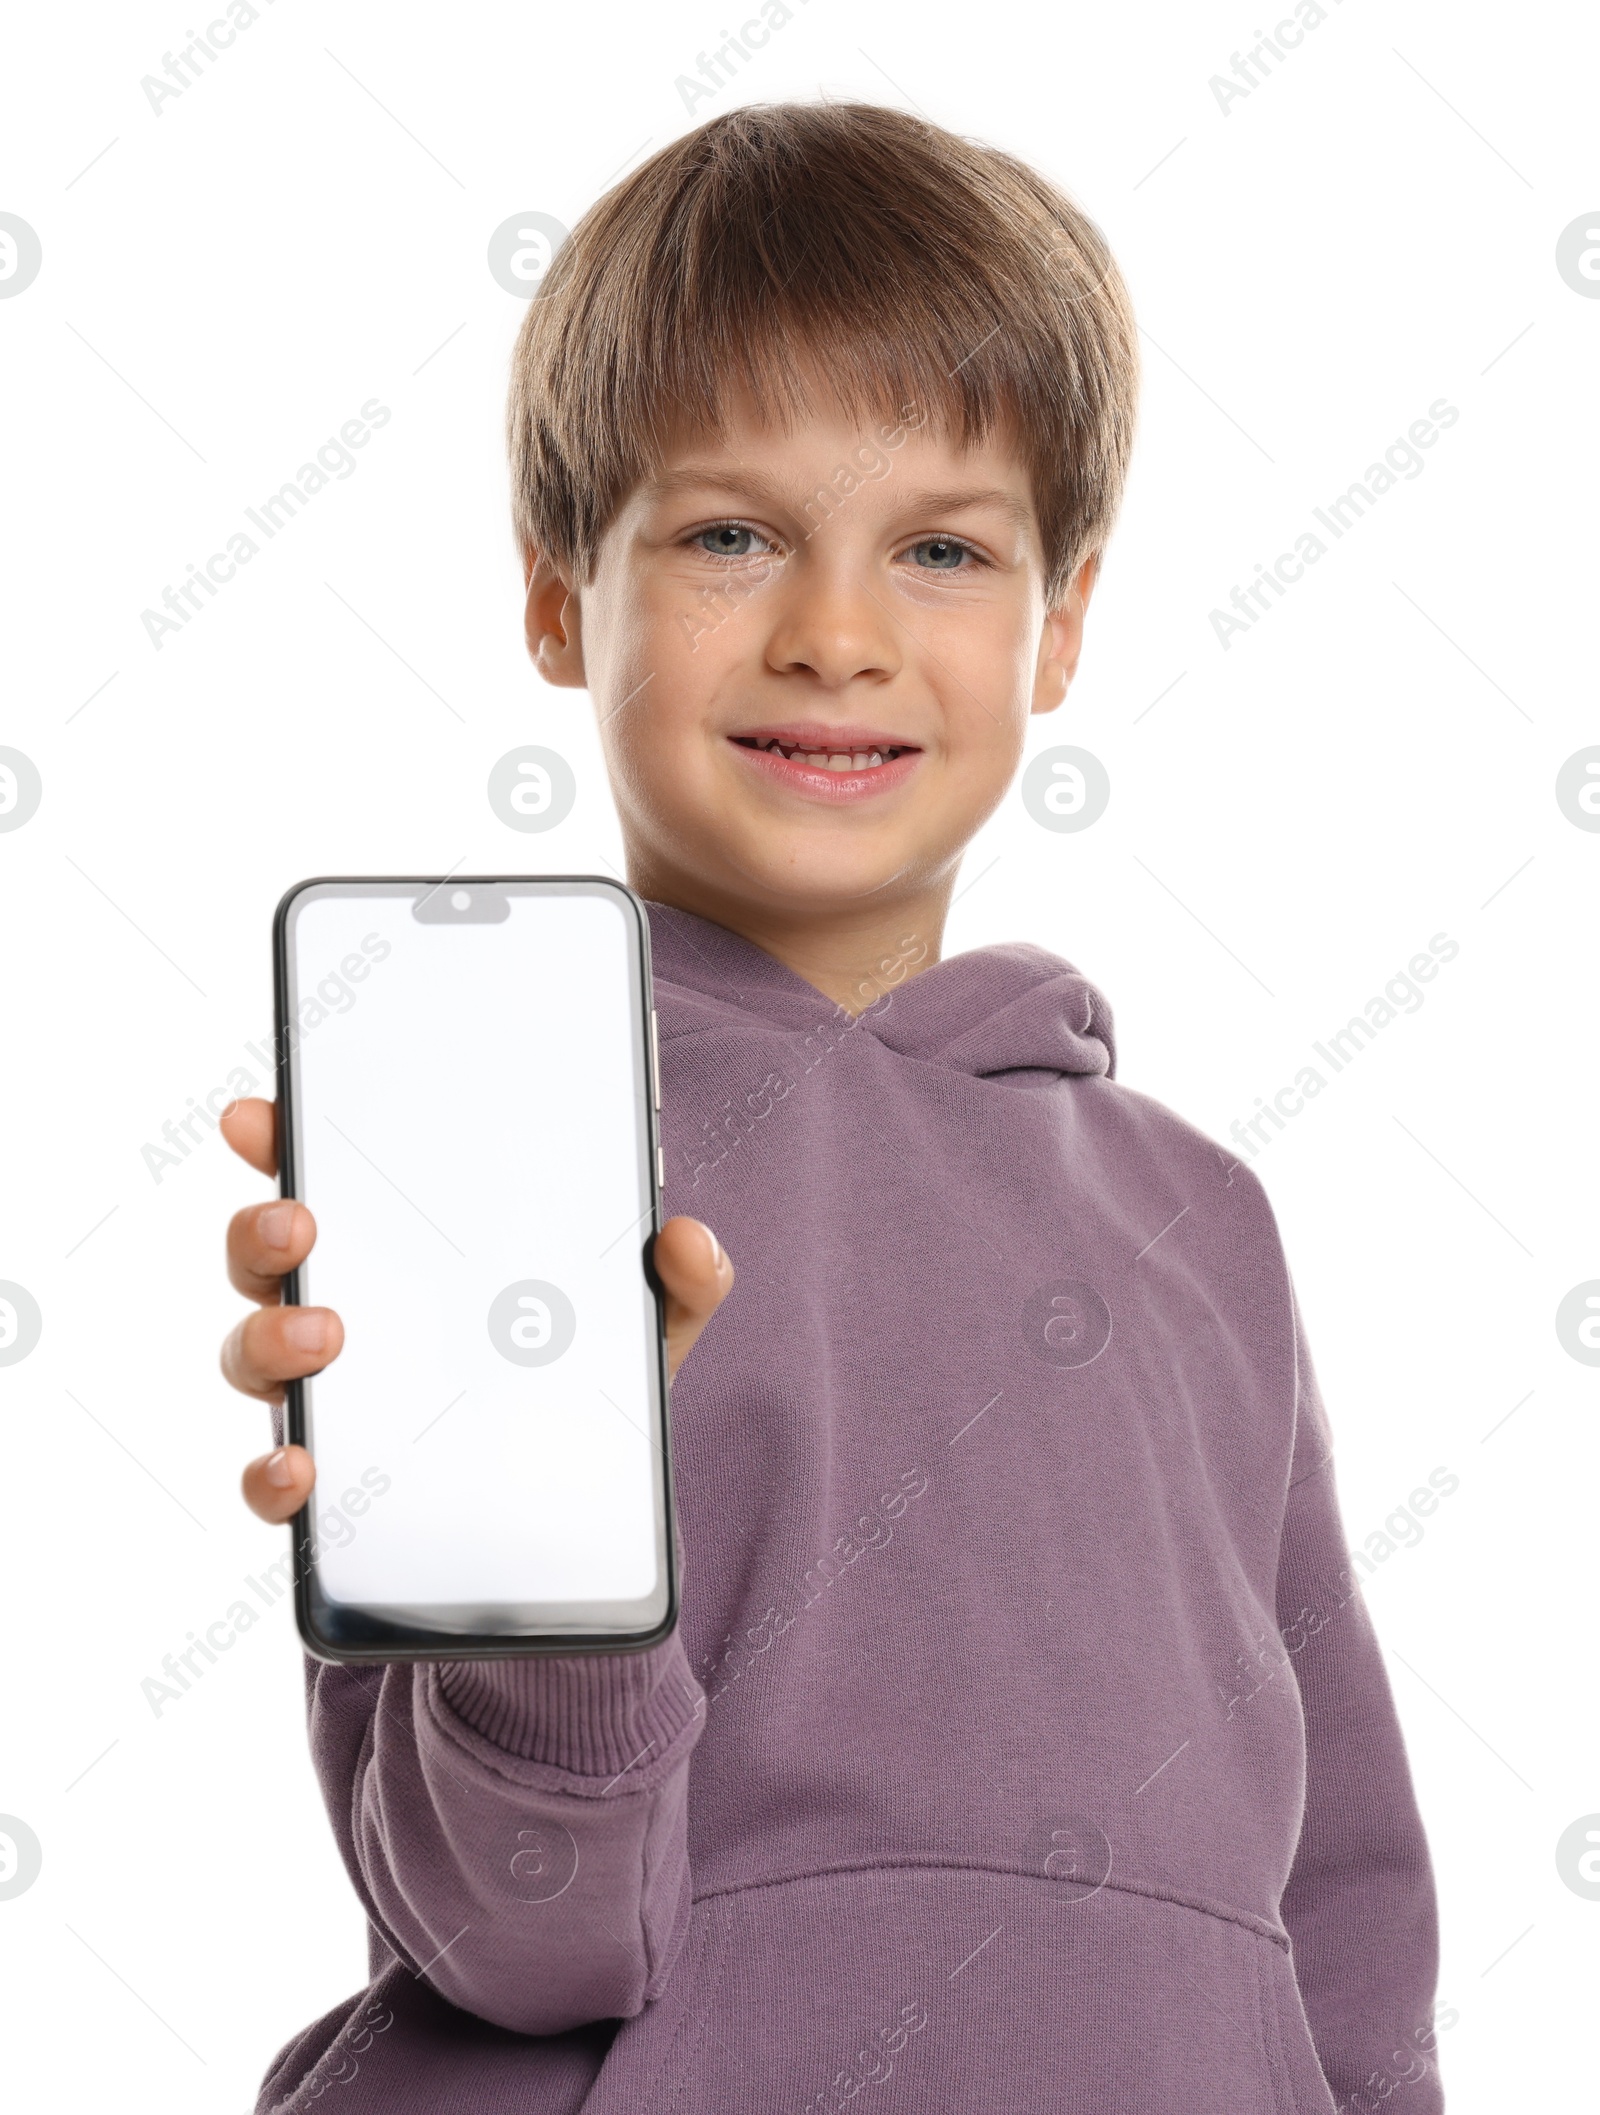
column 1013, row 1012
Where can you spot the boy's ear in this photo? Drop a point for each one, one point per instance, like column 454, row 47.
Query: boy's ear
column 551, row 621
column 1063, row 639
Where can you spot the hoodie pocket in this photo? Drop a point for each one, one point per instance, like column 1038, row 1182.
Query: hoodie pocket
column 655, row 2059
column 1297, row 2076
column 897, row 1990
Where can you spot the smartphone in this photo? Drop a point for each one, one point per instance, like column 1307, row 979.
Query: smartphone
column 468, row 1102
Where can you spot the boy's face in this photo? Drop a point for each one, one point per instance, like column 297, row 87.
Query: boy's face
column 868, row 597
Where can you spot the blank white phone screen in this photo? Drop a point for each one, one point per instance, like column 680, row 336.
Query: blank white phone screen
column 472, row 1136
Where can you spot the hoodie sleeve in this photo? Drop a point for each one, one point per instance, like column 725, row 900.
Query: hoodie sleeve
column 1359, row 1904
column 516, row 1828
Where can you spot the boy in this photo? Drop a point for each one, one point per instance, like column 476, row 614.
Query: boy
column 1023, row 1743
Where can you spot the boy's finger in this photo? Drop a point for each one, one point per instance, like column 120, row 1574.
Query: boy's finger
column 251, row 1128
column 696, row 1276
column 278, row 1344
column 277, row 1485
column 264, row 1241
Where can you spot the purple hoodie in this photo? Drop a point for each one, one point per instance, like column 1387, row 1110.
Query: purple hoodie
column 1024, row 1743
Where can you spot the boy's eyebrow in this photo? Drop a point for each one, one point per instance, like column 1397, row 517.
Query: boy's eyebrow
column 700, row 477
column 1017, row 511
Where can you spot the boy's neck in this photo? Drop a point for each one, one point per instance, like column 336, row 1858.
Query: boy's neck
column 853, row 955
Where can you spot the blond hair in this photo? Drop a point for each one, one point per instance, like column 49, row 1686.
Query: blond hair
column 780, row 247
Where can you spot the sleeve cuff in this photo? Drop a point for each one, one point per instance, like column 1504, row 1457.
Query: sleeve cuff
column 596, row 1714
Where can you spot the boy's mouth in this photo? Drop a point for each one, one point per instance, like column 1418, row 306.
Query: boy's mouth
column 834, row 763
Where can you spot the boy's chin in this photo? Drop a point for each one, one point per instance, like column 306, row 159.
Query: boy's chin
column 813, row 880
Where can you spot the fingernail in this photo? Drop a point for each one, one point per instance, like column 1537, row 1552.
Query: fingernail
column 275, row 1222
column 305, row 1329
column 716, row 1249
column 278, row 1470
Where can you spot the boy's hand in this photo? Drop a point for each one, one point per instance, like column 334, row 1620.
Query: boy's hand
column 278, row 1343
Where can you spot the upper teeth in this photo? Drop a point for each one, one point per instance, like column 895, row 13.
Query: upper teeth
column 825, row 759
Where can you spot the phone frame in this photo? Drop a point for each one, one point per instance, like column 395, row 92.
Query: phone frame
column 414, row 1644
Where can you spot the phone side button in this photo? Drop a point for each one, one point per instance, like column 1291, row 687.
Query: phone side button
column 655, row 1059
column 661, row 1167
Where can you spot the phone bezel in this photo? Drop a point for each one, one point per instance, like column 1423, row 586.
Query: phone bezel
column 397, row 1641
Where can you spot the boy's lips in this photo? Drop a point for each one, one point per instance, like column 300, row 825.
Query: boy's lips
column 823, row 762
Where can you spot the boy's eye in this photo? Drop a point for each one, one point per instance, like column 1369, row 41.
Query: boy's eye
column 729, row 539
column 941, row 554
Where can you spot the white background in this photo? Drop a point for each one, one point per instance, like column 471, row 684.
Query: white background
column 1291, row 819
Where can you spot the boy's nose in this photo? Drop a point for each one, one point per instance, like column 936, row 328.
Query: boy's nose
column 833, row 626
